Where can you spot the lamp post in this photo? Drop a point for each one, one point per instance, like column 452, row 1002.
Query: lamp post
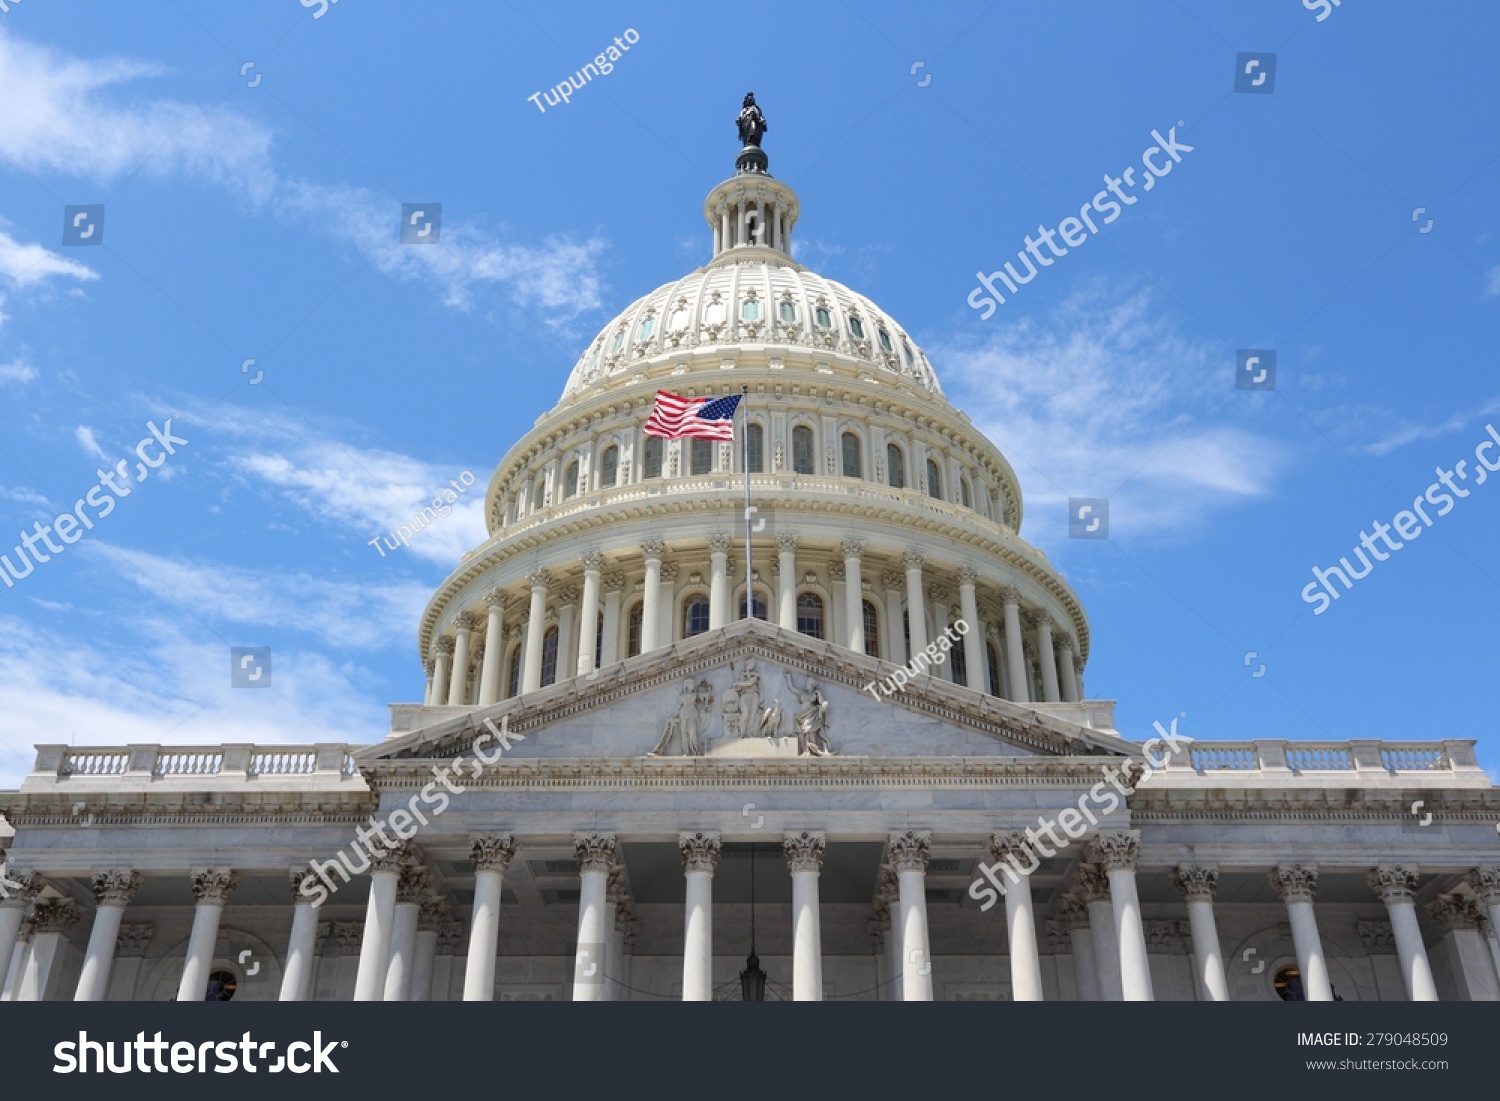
column 752, row 978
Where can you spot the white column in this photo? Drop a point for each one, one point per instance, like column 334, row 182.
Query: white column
column 724, row 237
column 786, row 582
column 1020, row 919
column 1015, row 654
column 412, row 888
column 614, row 590
column 1067, row 668
column 942, row 601
column 909, row 851
column 651, row 599
column 50, row 920
column 973, row 643
column 916, row 610
column 588, row 612
column 1396, row 884
column 1297, row 884
column 492, row 855
column 1485, row 883
column 1086, row 968
column 568, row 627
column 22, row 890
column 1469, row 957
column 596, row 856
column 700, row 856
column 424, row 961
column 1047, row 658
column 458, row 684
column 531, row 675
column 888, row 910
column 804, row 856
column 854, row 592
column 1197, row 882
column 427, row 669
column 380, row 915
column 302, row 945
column 442, row 665
column 1118, row 851
column 211, row 888
column 494, row 650
column 718, row 580
column 833, row 628
column 893, row 580
column 617, row 894
column 113, row 891
column 1093, row 885
column 671, row 619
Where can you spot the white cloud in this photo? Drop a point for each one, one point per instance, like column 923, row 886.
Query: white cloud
column 1103, row 399
column 27, row 265
column 1492, row 288
column 1403, row 432
column 17, row 371
column 89, row 442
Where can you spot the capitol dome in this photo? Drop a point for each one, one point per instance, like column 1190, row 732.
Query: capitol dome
column 878, row 516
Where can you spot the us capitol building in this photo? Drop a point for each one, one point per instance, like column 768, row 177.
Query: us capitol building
column 669, row 785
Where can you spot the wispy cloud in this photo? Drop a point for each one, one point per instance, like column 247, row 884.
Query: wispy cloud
column 26, row 265
column 17, row 371
column 90, row 443
column 1105, row 399
column 1395, row 431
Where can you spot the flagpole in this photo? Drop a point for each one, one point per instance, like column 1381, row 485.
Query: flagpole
column 749, row 572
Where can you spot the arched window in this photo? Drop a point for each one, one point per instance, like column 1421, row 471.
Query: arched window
column 756, row 445
column 648, row 326
column 885, row 338
column 750, row 309
column 934, row 480
column 852, row 467
column 539, row 493
column 964, row 494
column 549, row 657
column 570, row 480
column 513, row 677
column 760, row 604
column 609, row 467
column 694, row 616
column 992, row 659
column 614, row 349
column 823, row 317
column 788, row 312
column 653, row 457
column 895, row 466
column 810, row 614
column 872, row 630
column 857, row 327
column 802, row 450
column 599, row 641
column 960, row 662
column 633, row 630
column 702, row 457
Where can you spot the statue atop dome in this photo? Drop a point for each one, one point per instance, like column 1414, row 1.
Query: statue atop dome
column 752, row 124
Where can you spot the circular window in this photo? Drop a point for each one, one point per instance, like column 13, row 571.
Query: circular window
column 1288, row 984
column 221, row 986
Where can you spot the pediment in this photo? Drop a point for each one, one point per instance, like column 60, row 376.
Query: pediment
column 753, row 690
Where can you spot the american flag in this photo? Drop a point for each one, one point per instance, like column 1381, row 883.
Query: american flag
column 674, row 417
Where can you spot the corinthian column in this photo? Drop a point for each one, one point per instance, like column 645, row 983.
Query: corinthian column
column 804, row 856
column 113, row 891
column 531, row 677
column 1046, row 657
column 718, row 580
column 854, row 589
column 413, row 886
column 492, row 853
column 1297, row 884
column 458, row 684
column 1020, row 919
column 1075, row 919
column 1067, row 669
column 893, row 580
column 442, row 665
column 211, row 888
column 700, row 856
column 916, row 610
column 1015, row 656
column 1094, row 893
column 1197, row 883
column 1485, row 883
column 51, row 918
column 973, row 640
column 1396, row 884
column 614, row 590
column 380, row 915
column 297, row 976
column 1118, row 851
column 21, row 890
column 588, row 612
column 786, row 582
column 909, row 852
column 653, row 549
column 494, row 649
column 596, row 856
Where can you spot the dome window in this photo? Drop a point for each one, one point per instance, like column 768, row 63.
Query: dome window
column 885, row 339
column 750, row 310
column 964, row 494
column 648, row 327
column 713, row 313
column 789, row 313
column 609, row 467
column 614, row 349
column 823, row 317
column 570, row 481
column 810, row 614
column 852, row 467
column 895, row 465
column 802, row 450
column 678, row 321
column 857, row 327
column 934, row 480
column 906, row 352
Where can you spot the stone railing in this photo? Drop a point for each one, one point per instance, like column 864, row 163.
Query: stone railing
column 324, row 760
column 1275, row 755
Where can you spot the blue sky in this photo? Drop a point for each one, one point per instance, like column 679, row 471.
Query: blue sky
column 259, row 222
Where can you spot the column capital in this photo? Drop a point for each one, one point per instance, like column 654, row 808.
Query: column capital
column 1197, row 882
column 134, row 940
column 700, row 851
column 851, row 548
column 433, row 915
column 54, row 915
column 1007, row 843
column 1295, row 882
column 116, row 887
column 492, row 852
column 1063, row 643
column 617, row 886
column 1485, row 883
column 349, row 934
column 444, row 644
column 1455, row 912
column 213, row 886
column 653, row 548
column 429, row 667
column 451, row 939
column 595, row 851
column 786, row 544
column 593, row 562
column 495, row 599
column 1393, row 882
column 385, row 858
column 1009, row 594
column 1040, row 618
column 21, row 887
column 939, row 593
column 719, row 543
column 887, row 886
column 913, row 560
column 1093, row 884
column 614, row 582
column 910, row 850
column 968, row 576
column 1073, row 911
column 465, row 621
column 413, row 885
column 539, row 578
column 1118, row 850
column 296, row 877
column 804, row 850
column 1376, row 936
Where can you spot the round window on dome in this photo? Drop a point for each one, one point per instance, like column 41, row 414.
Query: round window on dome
column 857, row 327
